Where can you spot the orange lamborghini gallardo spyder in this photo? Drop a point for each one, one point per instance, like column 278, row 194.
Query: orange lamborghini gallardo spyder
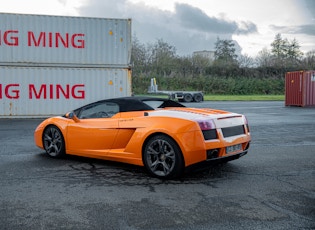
column 163, row 135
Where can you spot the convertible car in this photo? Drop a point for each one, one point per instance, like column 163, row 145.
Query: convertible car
column 160, row 134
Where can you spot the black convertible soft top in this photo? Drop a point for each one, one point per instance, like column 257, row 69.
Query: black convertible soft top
column 137, row 103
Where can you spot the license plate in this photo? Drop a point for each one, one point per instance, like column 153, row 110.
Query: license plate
column 233, row 148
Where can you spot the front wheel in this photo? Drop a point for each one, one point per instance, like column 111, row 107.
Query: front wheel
column 163, row 158
column 53, row 142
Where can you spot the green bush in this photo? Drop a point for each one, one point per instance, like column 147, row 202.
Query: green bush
column 212, row 84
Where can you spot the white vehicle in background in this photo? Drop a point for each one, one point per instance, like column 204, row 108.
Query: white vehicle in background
column 182, row 96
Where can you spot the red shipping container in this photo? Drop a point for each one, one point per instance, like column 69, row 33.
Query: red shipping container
column 300, row 88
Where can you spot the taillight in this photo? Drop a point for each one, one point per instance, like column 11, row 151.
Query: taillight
column 245, row 120
column 208, row 129
column 246, row 123
column 206, row 124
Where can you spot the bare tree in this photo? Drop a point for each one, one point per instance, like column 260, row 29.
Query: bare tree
column 286, row 53
column 264, row 58
column 246, row 61
column 200, row 63
column 139, row 57
column 163, row 56
column 293, row 53
column 308, row 61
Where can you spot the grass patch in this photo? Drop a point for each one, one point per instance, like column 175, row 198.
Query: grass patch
column 234, row 97
column 244, row 97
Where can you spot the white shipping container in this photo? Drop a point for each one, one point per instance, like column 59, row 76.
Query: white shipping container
column 46, row 91
column 43, row 40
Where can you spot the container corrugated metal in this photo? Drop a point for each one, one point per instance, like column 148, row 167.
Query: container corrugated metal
column 46, row 91
column 300, row 88
column 64, row 41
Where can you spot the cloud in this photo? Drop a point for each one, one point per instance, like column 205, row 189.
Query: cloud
column 103, row 8
column 188, row 28
column 246, row 28
column 307, row 29
column 194, row 18
column 310, row 5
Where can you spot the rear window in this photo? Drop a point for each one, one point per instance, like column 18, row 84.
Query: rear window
column 157, row 104
column 153, row 104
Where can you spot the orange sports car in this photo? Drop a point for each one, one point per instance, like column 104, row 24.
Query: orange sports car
column 161, row 134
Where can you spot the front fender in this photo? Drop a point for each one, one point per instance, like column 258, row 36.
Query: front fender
column 60, row 122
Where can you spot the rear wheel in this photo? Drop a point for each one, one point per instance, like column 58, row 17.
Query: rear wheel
column 163, row 158
column 188, row 97
column 198, row 97
column 53, row 142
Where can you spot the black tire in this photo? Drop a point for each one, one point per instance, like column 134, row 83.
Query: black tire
column 198, row 97
column 188, row 97
column 53, row 142
column 163, row 158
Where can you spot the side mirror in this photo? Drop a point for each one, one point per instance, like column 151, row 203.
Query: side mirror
column 71, row 115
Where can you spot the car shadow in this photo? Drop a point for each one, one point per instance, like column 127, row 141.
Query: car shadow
column 103, row 172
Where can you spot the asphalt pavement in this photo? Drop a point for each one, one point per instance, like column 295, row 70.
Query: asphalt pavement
column 272, row 187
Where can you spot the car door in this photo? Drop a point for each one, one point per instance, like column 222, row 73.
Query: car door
column 95, row 131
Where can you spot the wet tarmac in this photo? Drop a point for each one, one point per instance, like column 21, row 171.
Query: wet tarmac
column 272, row 187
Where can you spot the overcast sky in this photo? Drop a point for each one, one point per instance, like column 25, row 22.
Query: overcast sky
column 193, row 25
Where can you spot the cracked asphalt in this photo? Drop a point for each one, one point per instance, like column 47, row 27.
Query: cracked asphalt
column 272, row 187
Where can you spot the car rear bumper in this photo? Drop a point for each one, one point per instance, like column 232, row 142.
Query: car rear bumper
column 214, row 161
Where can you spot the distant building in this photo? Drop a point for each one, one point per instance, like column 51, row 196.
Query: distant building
column 205, row 54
